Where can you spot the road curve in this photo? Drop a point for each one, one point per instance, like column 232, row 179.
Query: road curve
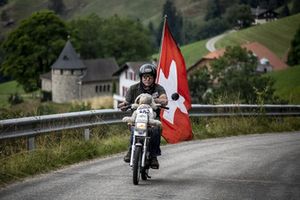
column 257, row 167
column 210, row 44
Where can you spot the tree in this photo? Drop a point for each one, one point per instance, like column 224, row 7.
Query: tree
column 200, row 84
column 296, row 7
column 126, row 40
column 285, row 11
column 3, row 2
column 153, row 32
column 175, row 21
column 87, row 36
column 4, row 15
column 213, row 10
column 239, row 16
column 212, row 28
column 57, row 6
column 123, row 39
column 294, row 53
column 263, row 4
column 237, row 79
column 253, row 3
column 32, row 47
column 191, row 33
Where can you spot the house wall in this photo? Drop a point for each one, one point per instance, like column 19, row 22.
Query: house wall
column 65, row 85
column 201, row 64
column 125, row 81
column 264, row 68
column 89, row 90
column 46, row 85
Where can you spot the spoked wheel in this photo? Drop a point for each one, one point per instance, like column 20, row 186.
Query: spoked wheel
column 137, row 164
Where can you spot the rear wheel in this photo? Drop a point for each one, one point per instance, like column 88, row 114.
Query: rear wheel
column 137, row 164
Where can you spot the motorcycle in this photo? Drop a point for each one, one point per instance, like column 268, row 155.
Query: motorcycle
column 141, row 121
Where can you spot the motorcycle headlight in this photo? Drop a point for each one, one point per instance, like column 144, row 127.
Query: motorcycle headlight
column 141, row 126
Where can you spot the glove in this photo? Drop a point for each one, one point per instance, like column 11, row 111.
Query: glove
column 123, row 106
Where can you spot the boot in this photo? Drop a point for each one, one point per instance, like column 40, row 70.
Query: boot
column 154, row 163
column 127, row 156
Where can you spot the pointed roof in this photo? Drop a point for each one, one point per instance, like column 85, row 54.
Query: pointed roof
column 100, row 69
column 68, row 59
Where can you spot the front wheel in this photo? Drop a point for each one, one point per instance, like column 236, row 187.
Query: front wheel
column 137, row 164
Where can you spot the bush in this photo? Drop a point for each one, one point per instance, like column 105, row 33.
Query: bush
column 81, row 107
column 15, row 99
column 45, row 109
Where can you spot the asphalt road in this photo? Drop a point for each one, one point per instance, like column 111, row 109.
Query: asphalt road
column 246, row 167
column 210, row 44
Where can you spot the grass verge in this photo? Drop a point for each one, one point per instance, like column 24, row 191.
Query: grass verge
column 54, row 151
column 204, row 128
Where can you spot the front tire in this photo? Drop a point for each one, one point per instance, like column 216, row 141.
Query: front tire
column 137, row 164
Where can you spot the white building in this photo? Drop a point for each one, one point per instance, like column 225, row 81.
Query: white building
column 128, row 75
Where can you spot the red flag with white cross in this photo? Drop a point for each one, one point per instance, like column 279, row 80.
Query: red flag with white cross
column 171, row 74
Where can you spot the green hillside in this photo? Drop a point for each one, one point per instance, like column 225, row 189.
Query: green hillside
column 144, row 10
column 193, row 52
column 276, row 35
column 287, row 84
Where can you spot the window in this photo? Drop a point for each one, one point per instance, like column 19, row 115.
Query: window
column 65, row 57
column 131, row 76
column 124, row 91
column 96, row 88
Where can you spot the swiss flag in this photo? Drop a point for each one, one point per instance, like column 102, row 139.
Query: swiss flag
column 172, row 76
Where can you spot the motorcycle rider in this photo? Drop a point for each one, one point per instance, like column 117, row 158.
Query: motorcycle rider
column 147, row 74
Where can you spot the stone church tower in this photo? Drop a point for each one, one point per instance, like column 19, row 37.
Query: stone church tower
column 71, row 78
column 67, row 73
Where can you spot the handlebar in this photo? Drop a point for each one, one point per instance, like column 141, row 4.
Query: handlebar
column 164, row 107
column 129, row 106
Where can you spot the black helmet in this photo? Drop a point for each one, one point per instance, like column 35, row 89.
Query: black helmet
column 147, row 69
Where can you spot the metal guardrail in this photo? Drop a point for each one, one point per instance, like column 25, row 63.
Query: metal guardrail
column 244, row 110
column 32, row 126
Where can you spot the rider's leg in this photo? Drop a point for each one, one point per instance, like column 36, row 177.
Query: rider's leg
column 128, row 154
column 155, row 146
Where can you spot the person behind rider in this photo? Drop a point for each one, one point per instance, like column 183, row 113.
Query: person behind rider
column 147, row 73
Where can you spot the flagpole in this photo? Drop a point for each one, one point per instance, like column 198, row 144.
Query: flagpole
column 161, row 44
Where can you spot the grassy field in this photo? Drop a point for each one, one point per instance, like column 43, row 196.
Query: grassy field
column 8, row 88
column 287, row 84
column 193, row 52
column 276, row 35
